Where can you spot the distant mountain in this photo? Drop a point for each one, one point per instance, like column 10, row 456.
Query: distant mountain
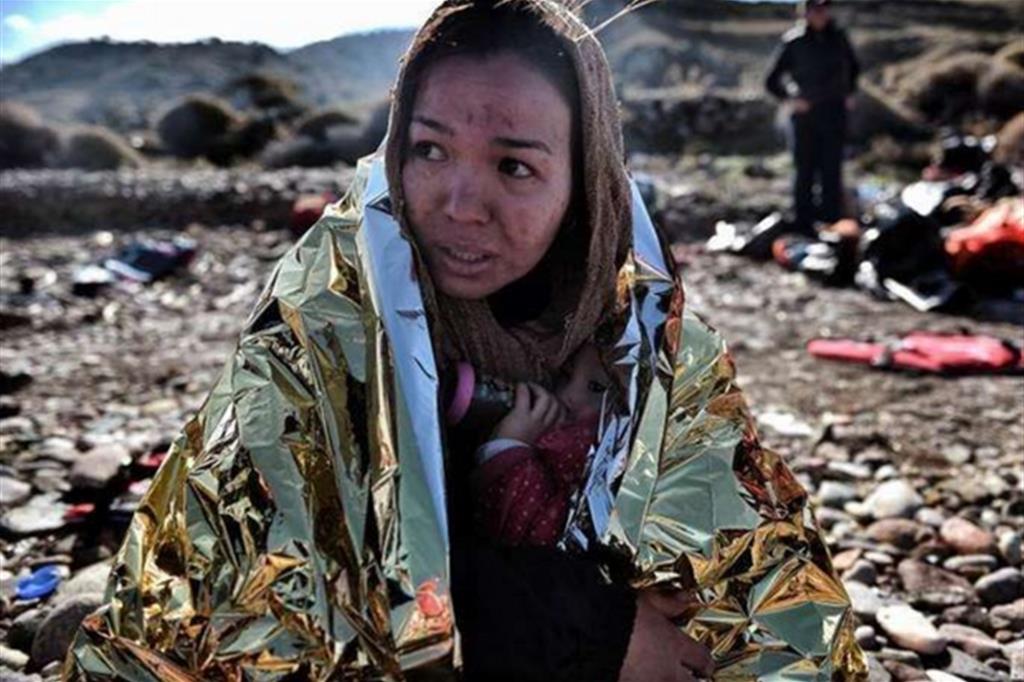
column 350, row 68
column 125, row 85
column 704, row 43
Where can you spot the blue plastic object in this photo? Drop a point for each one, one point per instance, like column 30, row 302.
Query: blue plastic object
column 41, row 583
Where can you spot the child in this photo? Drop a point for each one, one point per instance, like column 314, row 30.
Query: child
column 537, row 456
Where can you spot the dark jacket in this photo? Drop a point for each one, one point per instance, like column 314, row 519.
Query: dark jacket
column 819, row 66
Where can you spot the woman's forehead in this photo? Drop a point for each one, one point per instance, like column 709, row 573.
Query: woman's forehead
column 497, row 94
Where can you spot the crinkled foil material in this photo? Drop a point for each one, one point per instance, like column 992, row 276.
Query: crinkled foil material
column 298, row 528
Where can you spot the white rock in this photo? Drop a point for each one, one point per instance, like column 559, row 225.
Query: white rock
column 910, row 629
column 895, row 498
column 13, row 491
column 940, row 676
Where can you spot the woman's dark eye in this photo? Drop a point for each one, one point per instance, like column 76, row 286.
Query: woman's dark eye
column 596, row 387
column 428, row 151
column 515, row 168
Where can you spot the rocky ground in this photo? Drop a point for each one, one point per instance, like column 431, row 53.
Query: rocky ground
column 919, row 479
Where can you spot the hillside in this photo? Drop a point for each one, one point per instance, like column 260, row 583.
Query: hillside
column 701, row 61
column 125, row 85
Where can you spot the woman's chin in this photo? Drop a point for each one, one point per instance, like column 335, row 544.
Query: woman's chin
column 465, row 289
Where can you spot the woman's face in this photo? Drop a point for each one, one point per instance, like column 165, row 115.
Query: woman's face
column 488, row 172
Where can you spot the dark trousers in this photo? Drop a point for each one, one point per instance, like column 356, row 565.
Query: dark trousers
column 817, row 138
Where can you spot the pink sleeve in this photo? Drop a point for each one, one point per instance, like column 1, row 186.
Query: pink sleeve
column 514, row 495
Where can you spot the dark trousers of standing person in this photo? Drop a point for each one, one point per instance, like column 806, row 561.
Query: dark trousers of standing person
column 817, row 141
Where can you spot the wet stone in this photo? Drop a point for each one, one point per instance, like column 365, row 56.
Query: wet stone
column 845, row 560
column 933, row 586
column 12, row 658
column 879, row 558
column 864, row 600
column 829, row 517
column 877, row 672
column 847, row 471
column 12, row 676
column 972, row 640
column 98, row 467
column 866, row 637
column 972, row 566
column 1009, row 616
column 973, row 615
column 904, row 672
column 57, row 630
column 901, row 533
column 957, row 453
column 1015, row 652
column 59, row 449
column 1000, row 587
column 862, row 572
column 966, row 537
column 909, row 629
column 835, row 494
column 13, row 491
column 930, row 516
column 24, row 627
column 886, row 472
column 41, row 514
column 91, row 579
column 1009, row 543
column 941, row 676
column 970, row 669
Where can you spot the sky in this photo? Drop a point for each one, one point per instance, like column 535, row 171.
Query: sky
column 28, row 26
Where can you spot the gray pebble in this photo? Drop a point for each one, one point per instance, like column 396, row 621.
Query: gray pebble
column 57, row 631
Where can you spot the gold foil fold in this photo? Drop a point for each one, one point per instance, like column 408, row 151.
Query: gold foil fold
column 298, row 530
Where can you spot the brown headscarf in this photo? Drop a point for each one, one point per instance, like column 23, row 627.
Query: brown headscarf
column 584, row 282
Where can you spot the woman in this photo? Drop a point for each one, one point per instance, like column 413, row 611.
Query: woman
column 310, row 521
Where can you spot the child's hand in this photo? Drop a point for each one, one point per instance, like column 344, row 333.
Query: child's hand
column 535, row 412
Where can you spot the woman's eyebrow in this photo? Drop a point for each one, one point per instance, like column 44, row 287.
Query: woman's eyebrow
column 433, row 125
column 515, row 143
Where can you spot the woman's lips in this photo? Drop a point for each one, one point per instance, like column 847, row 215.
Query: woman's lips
column 465, row 262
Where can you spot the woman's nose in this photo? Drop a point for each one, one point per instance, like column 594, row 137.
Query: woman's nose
column 466, row 201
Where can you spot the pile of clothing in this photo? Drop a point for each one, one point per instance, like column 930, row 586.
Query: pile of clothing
column 952, row 241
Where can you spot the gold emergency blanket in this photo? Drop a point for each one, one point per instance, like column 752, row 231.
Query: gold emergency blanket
column 298, row 528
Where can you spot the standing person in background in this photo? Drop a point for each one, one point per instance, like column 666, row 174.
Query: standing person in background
column 815, row 73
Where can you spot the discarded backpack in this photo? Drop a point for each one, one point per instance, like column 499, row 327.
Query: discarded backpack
column 902, row 257
column 927, row 352
column 830, row 259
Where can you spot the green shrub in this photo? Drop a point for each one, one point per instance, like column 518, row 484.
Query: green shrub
column 25, row 141
column 97, row 148
column 196, row 124
column 1001, row 90
column 347, row 147
column 267, row 90
column 1010, row 145
column 246, row 140
column 875, row 114
column 317, row 124
column 376, row 126
column 947, row 90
